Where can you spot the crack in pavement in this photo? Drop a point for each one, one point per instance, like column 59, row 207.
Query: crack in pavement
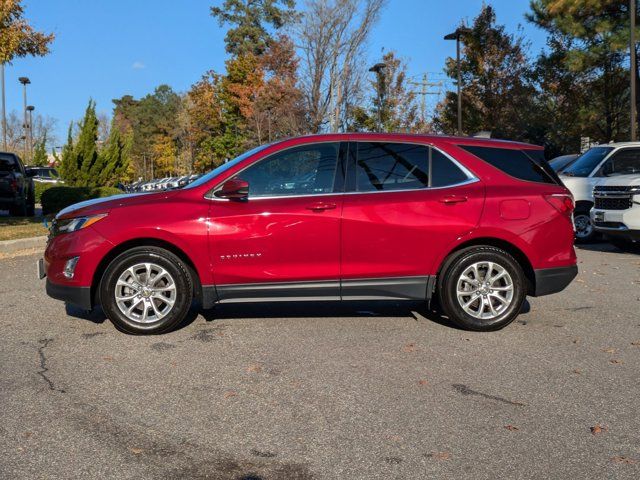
column 464, row 390
column 44, row 343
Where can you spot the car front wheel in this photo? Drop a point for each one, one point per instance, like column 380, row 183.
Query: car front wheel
column 481, row 288
column 146, row 290
column 584, row 228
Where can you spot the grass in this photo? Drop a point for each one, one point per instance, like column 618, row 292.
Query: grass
column 12, row 228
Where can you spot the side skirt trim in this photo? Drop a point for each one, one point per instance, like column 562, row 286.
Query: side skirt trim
column 280, row 291
column 400, row 288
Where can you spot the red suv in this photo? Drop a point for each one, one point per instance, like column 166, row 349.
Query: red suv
column 477, row 223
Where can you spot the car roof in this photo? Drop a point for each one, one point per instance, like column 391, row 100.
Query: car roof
column 478, row 141
column 619, row 144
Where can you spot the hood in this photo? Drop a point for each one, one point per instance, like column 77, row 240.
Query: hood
column 103, row 205
column 573, row 182
column 620, row 180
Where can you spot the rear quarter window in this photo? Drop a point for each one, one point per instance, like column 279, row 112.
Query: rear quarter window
column 529, row 166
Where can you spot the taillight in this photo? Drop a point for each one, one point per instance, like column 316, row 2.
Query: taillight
column 13, row 185
column 561, row 202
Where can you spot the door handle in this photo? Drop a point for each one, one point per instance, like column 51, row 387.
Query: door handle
column 452, row 199
column 321, row 206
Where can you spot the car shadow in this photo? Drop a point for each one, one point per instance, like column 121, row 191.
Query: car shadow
column 417, row 311
column 606, row 248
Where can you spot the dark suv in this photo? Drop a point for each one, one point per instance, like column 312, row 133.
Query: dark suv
column 16, row 187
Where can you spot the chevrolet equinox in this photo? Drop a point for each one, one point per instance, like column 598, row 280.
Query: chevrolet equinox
column 477, row 224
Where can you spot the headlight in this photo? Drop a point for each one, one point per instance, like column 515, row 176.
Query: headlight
column 73, row 224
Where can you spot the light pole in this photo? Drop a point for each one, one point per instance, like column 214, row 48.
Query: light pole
column 632, row 67
column 25, row 81
column 30, row 109
column 378, row 69
column 456, row 36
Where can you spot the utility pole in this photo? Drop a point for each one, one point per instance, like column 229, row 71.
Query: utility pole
column 4, row 112
column 423, row 92
column 25, row 81
column 632, row 67
column 30, row 109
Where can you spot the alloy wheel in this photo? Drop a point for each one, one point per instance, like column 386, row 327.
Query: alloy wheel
column 145, row 292
column 485, row 290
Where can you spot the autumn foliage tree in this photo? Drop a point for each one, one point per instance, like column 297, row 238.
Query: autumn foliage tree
column 497, row 90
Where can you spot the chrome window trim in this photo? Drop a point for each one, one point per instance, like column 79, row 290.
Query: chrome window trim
column 471, row 178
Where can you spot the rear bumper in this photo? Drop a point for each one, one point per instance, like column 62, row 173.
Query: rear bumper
column 78, row 296
column 553, row 280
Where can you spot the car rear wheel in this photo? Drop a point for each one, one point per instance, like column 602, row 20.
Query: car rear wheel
column 481, row 288
column 146, row 290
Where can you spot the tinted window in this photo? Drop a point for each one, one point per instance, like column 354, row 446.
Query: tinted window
column 391, row 166
column 305, row 170
column 443, row 171
column 512, row 162
column 623, row 162
column 201, row 180
column 8, row 163
column 587, row 162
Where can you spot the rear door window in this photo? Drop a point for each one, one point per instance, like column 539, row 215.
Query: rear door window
column 8, row 163
column 383, row 166
column 516, row 163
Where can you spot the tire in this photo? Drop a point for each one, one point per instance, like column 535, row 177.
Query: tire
column 31, row 206
column 157, row 306
column 485, row 311
column 585, row 232
column 19, row 210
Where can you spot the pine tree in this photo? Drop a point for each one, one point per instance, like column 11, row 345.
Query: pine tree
column 250, row 21
column 40, row 158
column 85, row 150
column 68, row 164
column 116, row 160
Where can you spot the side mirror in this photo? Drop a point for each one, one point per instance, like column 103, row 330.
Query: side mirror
column 607, row 169
column 234, row 189
column 30, row 173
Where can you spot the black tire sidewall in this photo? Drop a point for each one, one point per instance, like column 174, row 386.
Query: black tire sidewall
column 448, row 288
column 165, row 259
column 590, row 237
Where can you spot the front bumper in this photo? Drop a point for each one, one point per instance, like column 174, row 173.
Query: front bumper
column 553, row 280
column 78, row 296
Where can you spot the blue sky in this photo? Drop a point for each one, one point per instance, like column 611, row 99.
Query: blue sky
column 106, row 49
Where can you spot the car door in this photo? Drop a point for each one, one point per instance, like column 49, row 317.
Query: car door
column 283, row 241
column 405, row 204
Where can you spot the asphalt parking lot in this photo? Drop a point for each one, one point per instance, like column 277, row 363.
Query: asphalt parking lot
column 326, row 391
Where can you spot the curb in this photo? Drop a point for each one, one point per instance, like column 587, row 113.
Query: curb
column 12, row 246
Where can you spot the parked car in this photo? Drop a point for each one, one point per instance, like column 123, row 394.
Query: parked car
column 44, row 174
column 477, row 223
column 581, row 176
column 16, row 186
column 616, row 212
column 563, row 161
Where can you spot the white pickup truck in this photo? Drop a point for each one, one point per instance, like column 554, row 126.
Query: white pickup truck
column 610, row 165
column 616, row 212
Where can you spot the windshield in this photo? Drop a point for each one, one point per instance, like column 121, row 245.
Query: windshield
column 587, row 162
column 224, row 167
